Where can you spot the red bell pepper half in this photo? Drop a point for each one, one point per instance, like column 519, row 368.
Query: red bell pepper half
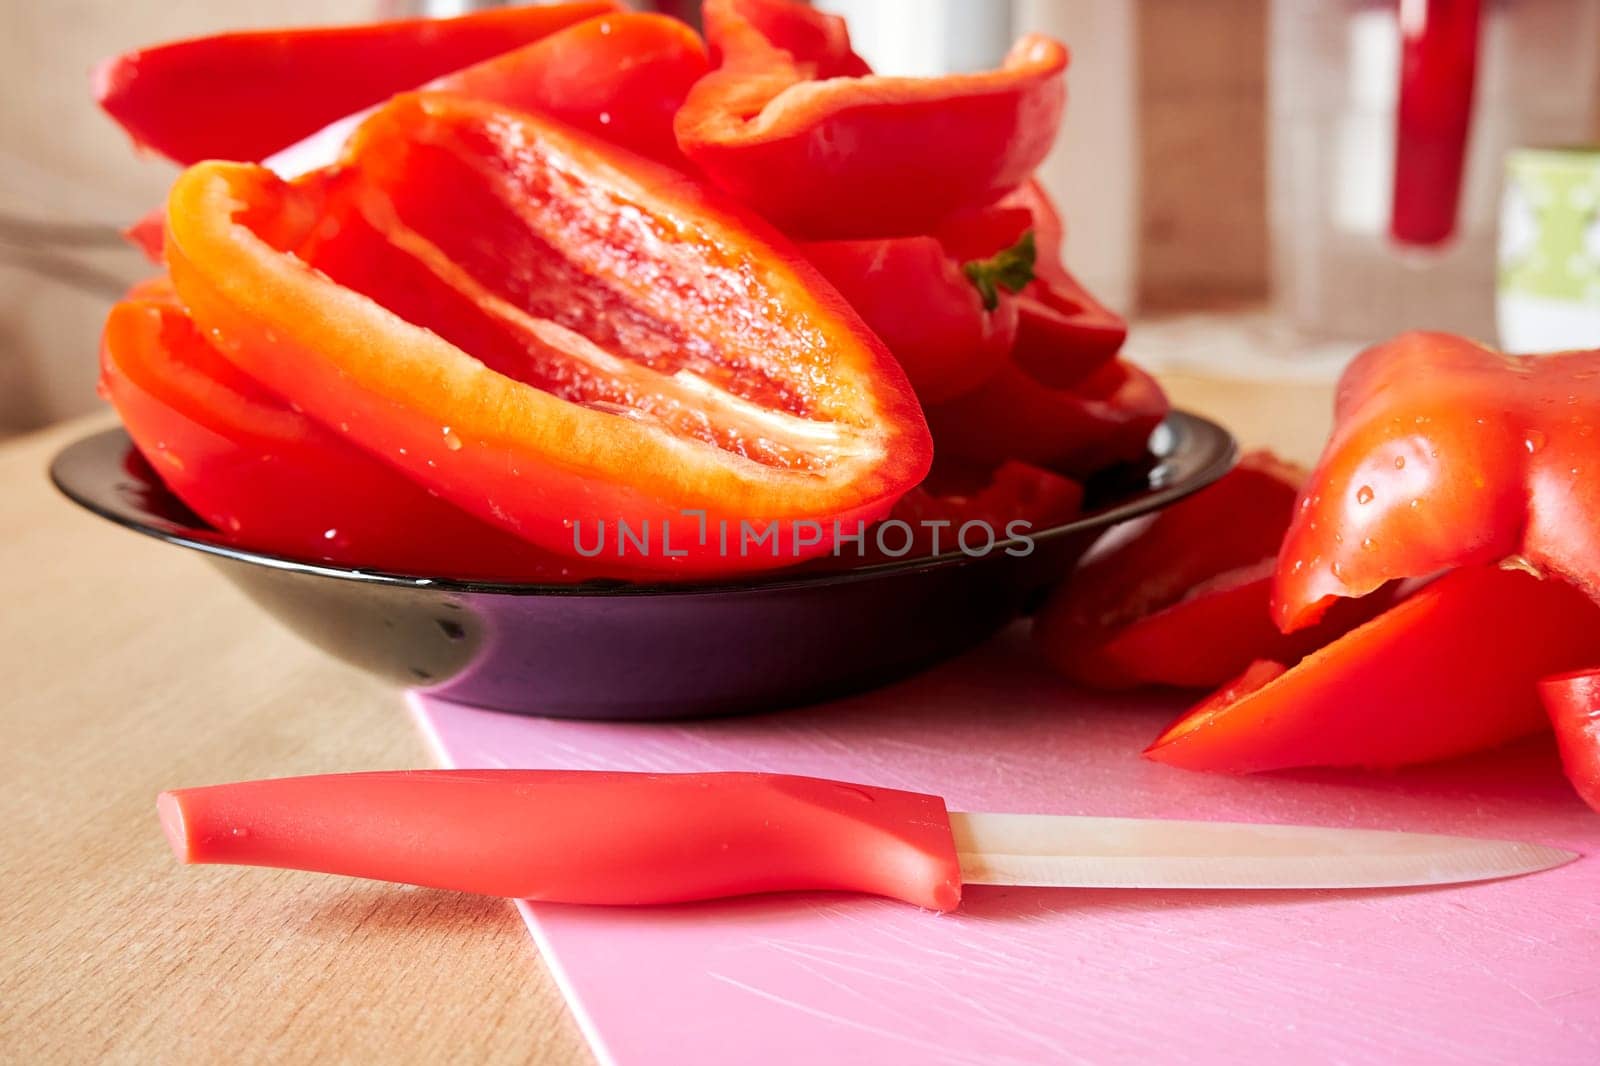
column 246, row 95
column 1445, row 454
column 619, row 77
column 548, row 332
column 792, row 124
column 985, row 287
column 923, row 302
column 264, row 475
column 1573, row 703
column 1449, row 671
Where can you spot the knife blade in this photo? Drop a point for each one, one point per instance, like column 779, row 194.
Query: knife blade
column 1068, row 851
column 604, row 837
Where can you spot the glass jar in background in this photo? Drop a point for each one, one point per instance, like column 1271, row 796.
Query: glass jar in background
column 1334, row 104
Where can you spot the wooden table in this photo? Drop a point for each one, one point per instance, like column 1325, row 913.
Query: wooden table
column 132, row 667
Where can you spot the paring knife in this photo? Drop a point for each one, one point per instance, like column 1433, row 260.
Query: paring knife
column 576, row 836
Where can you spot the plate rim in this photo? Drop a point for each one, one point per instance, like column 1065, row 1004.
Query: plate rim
column 1181, row 424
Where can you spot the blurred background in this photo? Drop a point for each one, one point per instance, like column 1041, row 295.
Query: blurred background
column 1225, row 166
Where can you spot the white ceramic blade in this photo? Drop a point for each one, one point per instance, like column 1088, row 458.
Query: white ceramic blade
column 1077, row 852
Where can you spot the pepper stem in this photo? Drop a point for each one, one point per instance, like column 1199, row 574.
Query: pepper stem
column 1010, row 269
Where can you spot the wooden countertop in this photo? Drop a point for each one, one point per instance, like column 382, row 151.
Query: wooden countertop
column 131, row 667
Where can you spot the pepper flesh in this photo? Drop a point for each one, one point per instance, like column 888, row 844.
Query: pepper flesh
column 1449, row 671
column 246, row 95
column 545, row 332
column 792, row 126
column 1446, row 453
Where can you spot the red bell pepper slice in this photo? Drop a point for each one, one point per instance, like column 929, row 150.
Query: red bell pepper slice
column 1185, row 601
column 790, row 126
column 548, row 332
column 1234, row 522
column 246, row 95
column 1573, row 703
column 1446, row 453
column 1105, row 419
column 620, row 77
column 266, row 476
column 1447, row 672
column 1205, row 639
column 921, row 301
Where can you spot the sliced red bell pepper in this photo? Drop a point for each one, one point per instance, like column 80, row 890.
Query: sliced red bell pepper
column 1449, row 671
column 923, row 302
column 1573, row 703
column 547, row 333
column 1185, row 601
column 1107, row 418
column 1205, row 639
column 620, row 77
column 1234, row 522
column 791, row 126
column 246, row 95
column 1446, row 453
column 267, row 477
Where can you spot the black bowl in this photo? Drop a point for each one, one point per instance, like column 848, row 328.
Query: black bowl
column 614, row 650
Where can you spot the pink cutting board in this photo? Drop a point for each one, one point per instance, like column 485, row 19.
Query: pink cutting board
column 1489, row 973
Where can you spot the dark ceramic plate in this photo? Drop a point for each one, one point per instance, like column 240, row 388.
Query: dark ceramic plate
column 613, row 650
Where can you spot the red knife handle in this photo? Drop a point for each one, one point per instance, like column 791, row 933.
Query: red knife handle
column 575, row 836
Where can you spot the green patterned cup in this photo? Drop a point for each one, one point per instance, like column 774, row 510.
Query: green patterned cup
column 1548, row 295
